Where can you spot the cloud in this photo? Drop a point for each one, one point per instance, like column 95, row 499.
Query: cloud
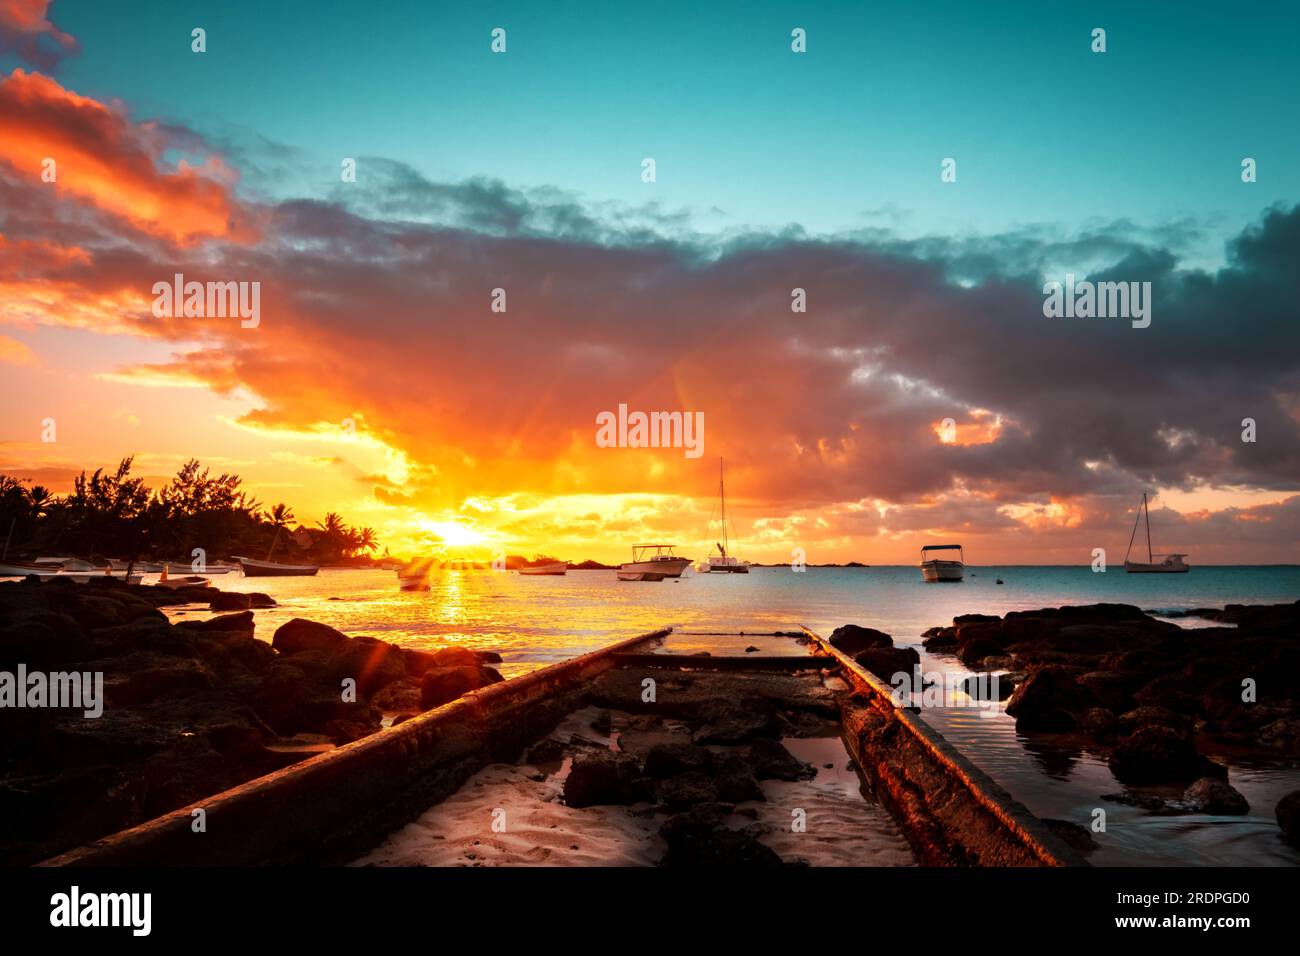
column 376, row 306
column 25, row 29
column 100, row 157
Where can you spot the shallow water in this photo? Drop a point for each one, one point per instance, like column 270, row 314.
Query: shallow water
column 533, row 621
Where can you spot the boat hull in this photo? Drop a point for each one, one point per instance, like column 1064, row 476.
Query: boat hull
column 653, row 570
column 936, row 572
column 265, row 569
column 1164, row 567
column 554, row 568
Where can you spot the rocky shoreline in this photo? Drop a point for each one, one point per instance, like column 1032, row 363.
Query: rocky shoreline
column 189, row 708
column 1157, row 700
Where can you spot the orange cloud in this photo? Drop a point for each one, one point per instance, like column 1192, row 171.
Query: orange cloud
column 95, row 154
column 13, row 352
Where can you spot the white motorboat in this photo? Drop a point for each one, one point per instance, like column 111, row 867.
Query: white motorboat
column 20, row 569
column 723, row 561
column 934, row 570
column 652, row 562
column 550, row 567
column 1172, row 563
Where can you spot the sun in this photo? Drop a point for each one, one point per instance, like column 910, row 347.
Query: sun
column 452, row 533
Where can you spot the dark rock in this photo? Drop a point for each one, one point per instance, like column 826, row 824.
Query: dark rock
column 1075, row 835
column 230, row 601
column 1209, row 795
column 1155, row 754
column 256, row 599
column 735, row 781
column 444, row 684
column 983, row 686
column 940, row 638
column 1133, row 720
column 751, row 649
column 669, row 760
column 241, row 621
column 399, row 697
column 298, row 635
column 1098, row 722
column 372, row 663
column 736, row 722
column 602, row 777
column 852, row 638
column 975, row 650
column 1048, row 701
column 546, row 750
column 771, row 761
column 1288, row 817
column 697, row 838
column 686, row 790
column 885, row 662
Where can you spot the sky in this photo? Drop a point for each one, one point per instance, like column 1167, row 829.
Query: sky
column 380, row 383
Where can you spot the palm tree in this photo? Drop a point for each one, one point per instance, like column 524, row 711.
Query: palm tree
column 279, row 517
column 367, row 540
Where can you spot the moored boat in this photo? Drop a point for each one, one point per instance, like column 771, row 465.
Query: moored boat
column 652, row 562
column 723, row 562
column 549, row 568
column 269, row 569
column 935, row 570
column 1172, row 563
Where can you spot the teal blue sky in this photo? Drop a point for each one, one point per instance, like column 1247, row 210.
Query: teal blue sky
column 745, row 133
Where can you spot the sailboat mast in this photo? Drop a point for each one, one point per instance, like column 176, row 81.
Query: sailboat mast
column 1147, row 511
column 722, row 493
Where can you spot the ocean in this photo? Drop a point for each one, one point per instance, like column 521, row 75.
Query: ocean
column 534, row 621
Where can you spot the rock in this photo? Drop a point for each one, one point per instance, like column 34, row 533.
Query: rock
column 697, row 838
column 256, row 599
column 602, row 723
column 771, row 761
column 972, row 652
column 241, row 621
column 347, row 729
column 940, row 638
column 1047, row 701
column 983, row 686
column 399, row 697
column 885, row 662
column 1288, row 817
column 230, row 601
column 181, row 773
column 1098, row 722
column 976, row 619
column 686, row 790
column 1075, row 835
column 372, row 663
column 546, row 750
column 143, row 677
column 1133, row 720
column 1209, row 795
column 417, row 662
column 735, row 781
column 736, row 722
column 298, row 635
column 751, row 649
column 444, row 684
column 1156, row 754
column 669, row 760
column 602, row 777
column 852, row 638
column 42, row 640
column 1282, row 734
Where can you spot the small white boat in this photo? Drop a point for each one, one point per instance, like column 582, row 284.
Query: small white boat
column 1172, row 563
column 652, row 562
column 550, row 567
column 219, row 568
column 269, row 569
column 416, row 575
column 183, row 581
column 934, row 570
column 723, row 562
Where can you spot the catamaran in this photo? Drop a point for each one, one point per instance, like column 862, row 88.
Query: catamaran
column 941, row 569
column 1172, row 563
column 652, row 562
column 723, row 561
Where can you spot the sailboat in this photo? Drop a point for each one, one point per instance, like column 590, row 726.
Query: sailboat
column 1172, row 563
column 723, row 561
